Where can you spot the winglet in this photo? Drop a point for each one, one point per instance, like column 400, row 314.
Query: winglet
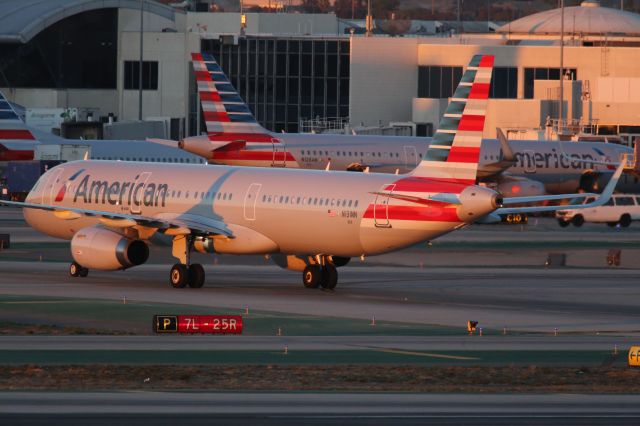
column 507, row 152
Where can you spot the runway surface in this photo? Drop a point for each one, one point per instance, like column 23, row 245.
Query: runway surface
column 316, row 408
column 309, row 343
column 534, row 299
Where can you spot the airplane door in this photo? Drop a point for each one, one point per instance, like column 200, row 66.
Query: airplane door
column 138, row 192
column 529, row 161
column 410, row 157
column 381, row 207
column 279, row 153
column 250, row 200
column 52, row 187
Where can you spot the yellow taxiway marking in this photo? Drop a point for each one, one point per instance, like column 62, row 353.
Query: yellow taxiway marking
column 426, row 354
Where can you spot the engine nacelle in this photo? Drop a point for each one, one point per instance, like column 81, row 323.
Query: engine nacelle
column 477, row 201
column 513, row 186
column 100, row 248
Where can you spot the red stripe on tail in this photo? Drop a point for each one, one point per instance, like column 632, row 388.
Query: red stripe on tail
column 210, row 97
column 216, row 116
column 479, row 91
column 203, row 76
column 16, row 134
column 246, row 137
column 463, row 154
column 471, row 123
column 486, row 61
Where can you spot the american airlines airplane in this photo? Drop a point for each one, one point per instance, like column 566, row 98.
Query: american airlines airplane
column 311, row 220
column 18, row 142
column 513, row 168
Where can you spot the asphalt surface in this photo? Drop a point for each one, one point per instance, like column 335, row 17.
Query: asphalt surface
column 315, row 408
column 323, row 343
column 534, row 299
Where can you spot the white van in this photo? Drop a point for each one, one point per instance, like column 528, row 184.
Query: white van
column 620, row 209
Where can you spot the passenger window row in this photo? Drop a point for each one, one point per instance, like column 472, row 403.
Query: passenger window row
column 348, row 153
column 202, row 195
column 315, row 201
column 155, row 160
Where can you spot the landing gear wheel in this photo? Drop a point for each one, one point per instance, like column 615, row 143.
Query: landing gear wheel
column 179, row 275
column 312, row 276
column 625, row 220
column 196, row 275
column 74, row 269
column 563, row 223
column 330, row 277
column 83, row 272
column 577, row 220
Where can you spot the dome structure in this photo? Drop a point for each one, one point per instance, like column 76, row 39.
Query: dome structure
column 587, row 19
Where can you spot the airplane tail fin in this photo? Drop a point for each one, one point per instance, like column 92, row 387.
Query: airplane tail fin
column 227, row 116
column 455, row 149
column 12, row 128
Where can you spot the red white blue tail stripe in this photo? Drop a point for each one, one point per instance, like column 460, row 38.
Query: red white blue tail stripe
column 455, row 149
column 11, row 126
column 227, row 116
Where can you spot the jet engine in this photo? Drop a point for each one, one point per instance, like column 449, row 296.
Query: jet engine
column 590, row 181
column 513, row 186
column 100, row 248
column 476, row 201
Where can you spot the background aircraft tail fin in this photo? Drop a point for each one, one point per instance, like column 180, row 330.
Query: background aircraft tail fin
column 455, row 149
column 226, row 115
column 11, row 126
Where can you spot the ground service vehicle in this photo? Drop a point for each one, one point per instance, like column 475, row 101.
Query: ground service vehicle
column 621, row 209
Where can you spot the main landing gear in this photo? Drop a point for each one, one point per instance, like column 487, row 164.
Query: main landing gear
column 185, row 273
column 321, row 274
column 181, row 275
column 75, row 270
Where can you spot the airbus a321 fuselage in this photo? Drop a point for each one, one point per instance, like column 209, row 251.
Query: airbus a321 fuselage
column 317, row 219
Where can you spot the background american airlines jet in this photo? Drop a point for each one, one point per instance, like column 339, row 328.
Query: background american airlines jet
column 516, row 167
column 316, row 220
column 18, row 142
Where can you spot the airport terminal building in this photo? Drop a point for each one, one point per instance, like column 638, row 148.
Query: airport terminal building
column 289, row 67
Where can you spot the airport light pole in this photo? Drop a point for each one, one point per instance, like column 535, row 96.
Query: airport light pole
column 560, row 112
column 140, row 65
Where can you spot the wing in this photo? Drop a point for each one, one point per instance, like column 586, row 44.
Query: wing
column 598, row 201
column 168, row 223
